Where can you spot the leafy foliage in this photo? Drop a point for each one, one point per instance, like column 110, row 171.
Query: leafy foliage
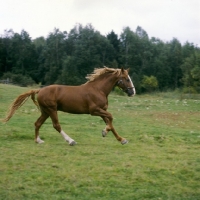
column 67, row 57
column 18, row 79
column 191, row 70
column 149, row 83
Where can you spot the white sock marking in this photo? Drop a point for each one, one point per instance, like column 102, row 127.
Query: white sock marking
column 39, row 140
column 66, row 137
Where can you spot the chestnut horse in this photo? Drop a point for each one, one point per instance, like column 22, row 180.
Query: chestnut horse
column 89, row 98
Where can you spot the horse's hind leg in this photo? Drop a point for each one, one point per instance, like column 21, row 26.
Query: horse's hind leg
column 56, row 125
column 38, row 124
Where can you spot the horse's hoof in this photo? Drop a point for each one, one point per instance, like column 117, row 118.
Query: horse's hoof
column 124, row 141
column 72, row 143
column 104, row 133
column 39, row 141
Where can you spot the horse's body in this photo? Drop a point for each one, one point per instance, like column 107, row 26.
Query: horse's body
column 89, row 98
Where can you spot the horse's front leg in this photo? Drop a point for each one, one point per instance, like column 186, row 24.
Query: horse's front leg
column 107, row 128
column 107, row 117
column 110, row 127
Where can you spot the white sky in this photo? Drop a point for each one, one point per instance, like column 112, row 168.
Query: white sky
column 164, row 19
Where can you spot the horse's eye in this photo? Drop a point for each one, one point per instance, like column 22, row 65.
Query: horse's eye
column 128, row 80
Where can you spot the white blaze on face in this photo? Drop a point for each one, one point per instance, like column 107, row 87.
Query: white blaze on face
column 132, row 85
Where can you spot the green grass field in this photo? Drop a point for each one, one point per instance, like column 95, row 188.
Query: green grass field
column 161, row 160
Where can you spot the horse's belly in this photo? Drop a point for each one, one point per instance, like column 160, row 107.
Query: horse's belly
column 74, row 107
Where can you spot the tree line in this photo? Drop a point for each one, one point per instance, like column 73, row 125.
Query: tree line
column 67, row 57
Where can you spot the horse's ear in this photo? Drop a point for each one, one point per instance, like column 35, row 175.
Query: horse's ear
column 123, row 70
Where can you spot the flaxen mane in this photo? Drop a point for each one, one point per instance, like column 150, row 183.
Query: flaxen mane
column 99, row 71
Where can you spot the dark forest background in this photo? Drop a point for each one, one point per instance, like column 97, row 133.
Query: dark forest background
column 67, row 57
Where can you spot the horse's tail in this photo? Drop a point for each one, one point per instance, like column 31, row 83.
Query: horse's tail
column 19, row 101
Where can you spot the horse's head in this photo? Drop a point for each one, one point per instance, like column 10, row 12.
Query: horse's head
column 125, row 83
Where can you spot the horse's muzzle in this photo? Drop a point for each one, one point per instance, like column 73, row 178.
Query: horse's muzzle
column 131, row 92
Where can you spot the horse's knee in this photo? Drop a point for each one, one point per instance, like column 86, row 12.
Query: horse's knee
column 111, row 119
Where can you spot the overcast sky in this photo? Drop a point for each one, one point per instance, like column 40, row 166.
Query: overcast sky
column 164, row 19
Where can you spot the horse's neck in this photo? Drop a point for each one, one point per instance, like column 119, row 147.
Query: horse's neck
column 106, row 83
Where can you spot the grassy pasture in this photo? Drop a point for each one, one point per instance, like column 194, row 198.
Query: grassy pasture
column 161, row 160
